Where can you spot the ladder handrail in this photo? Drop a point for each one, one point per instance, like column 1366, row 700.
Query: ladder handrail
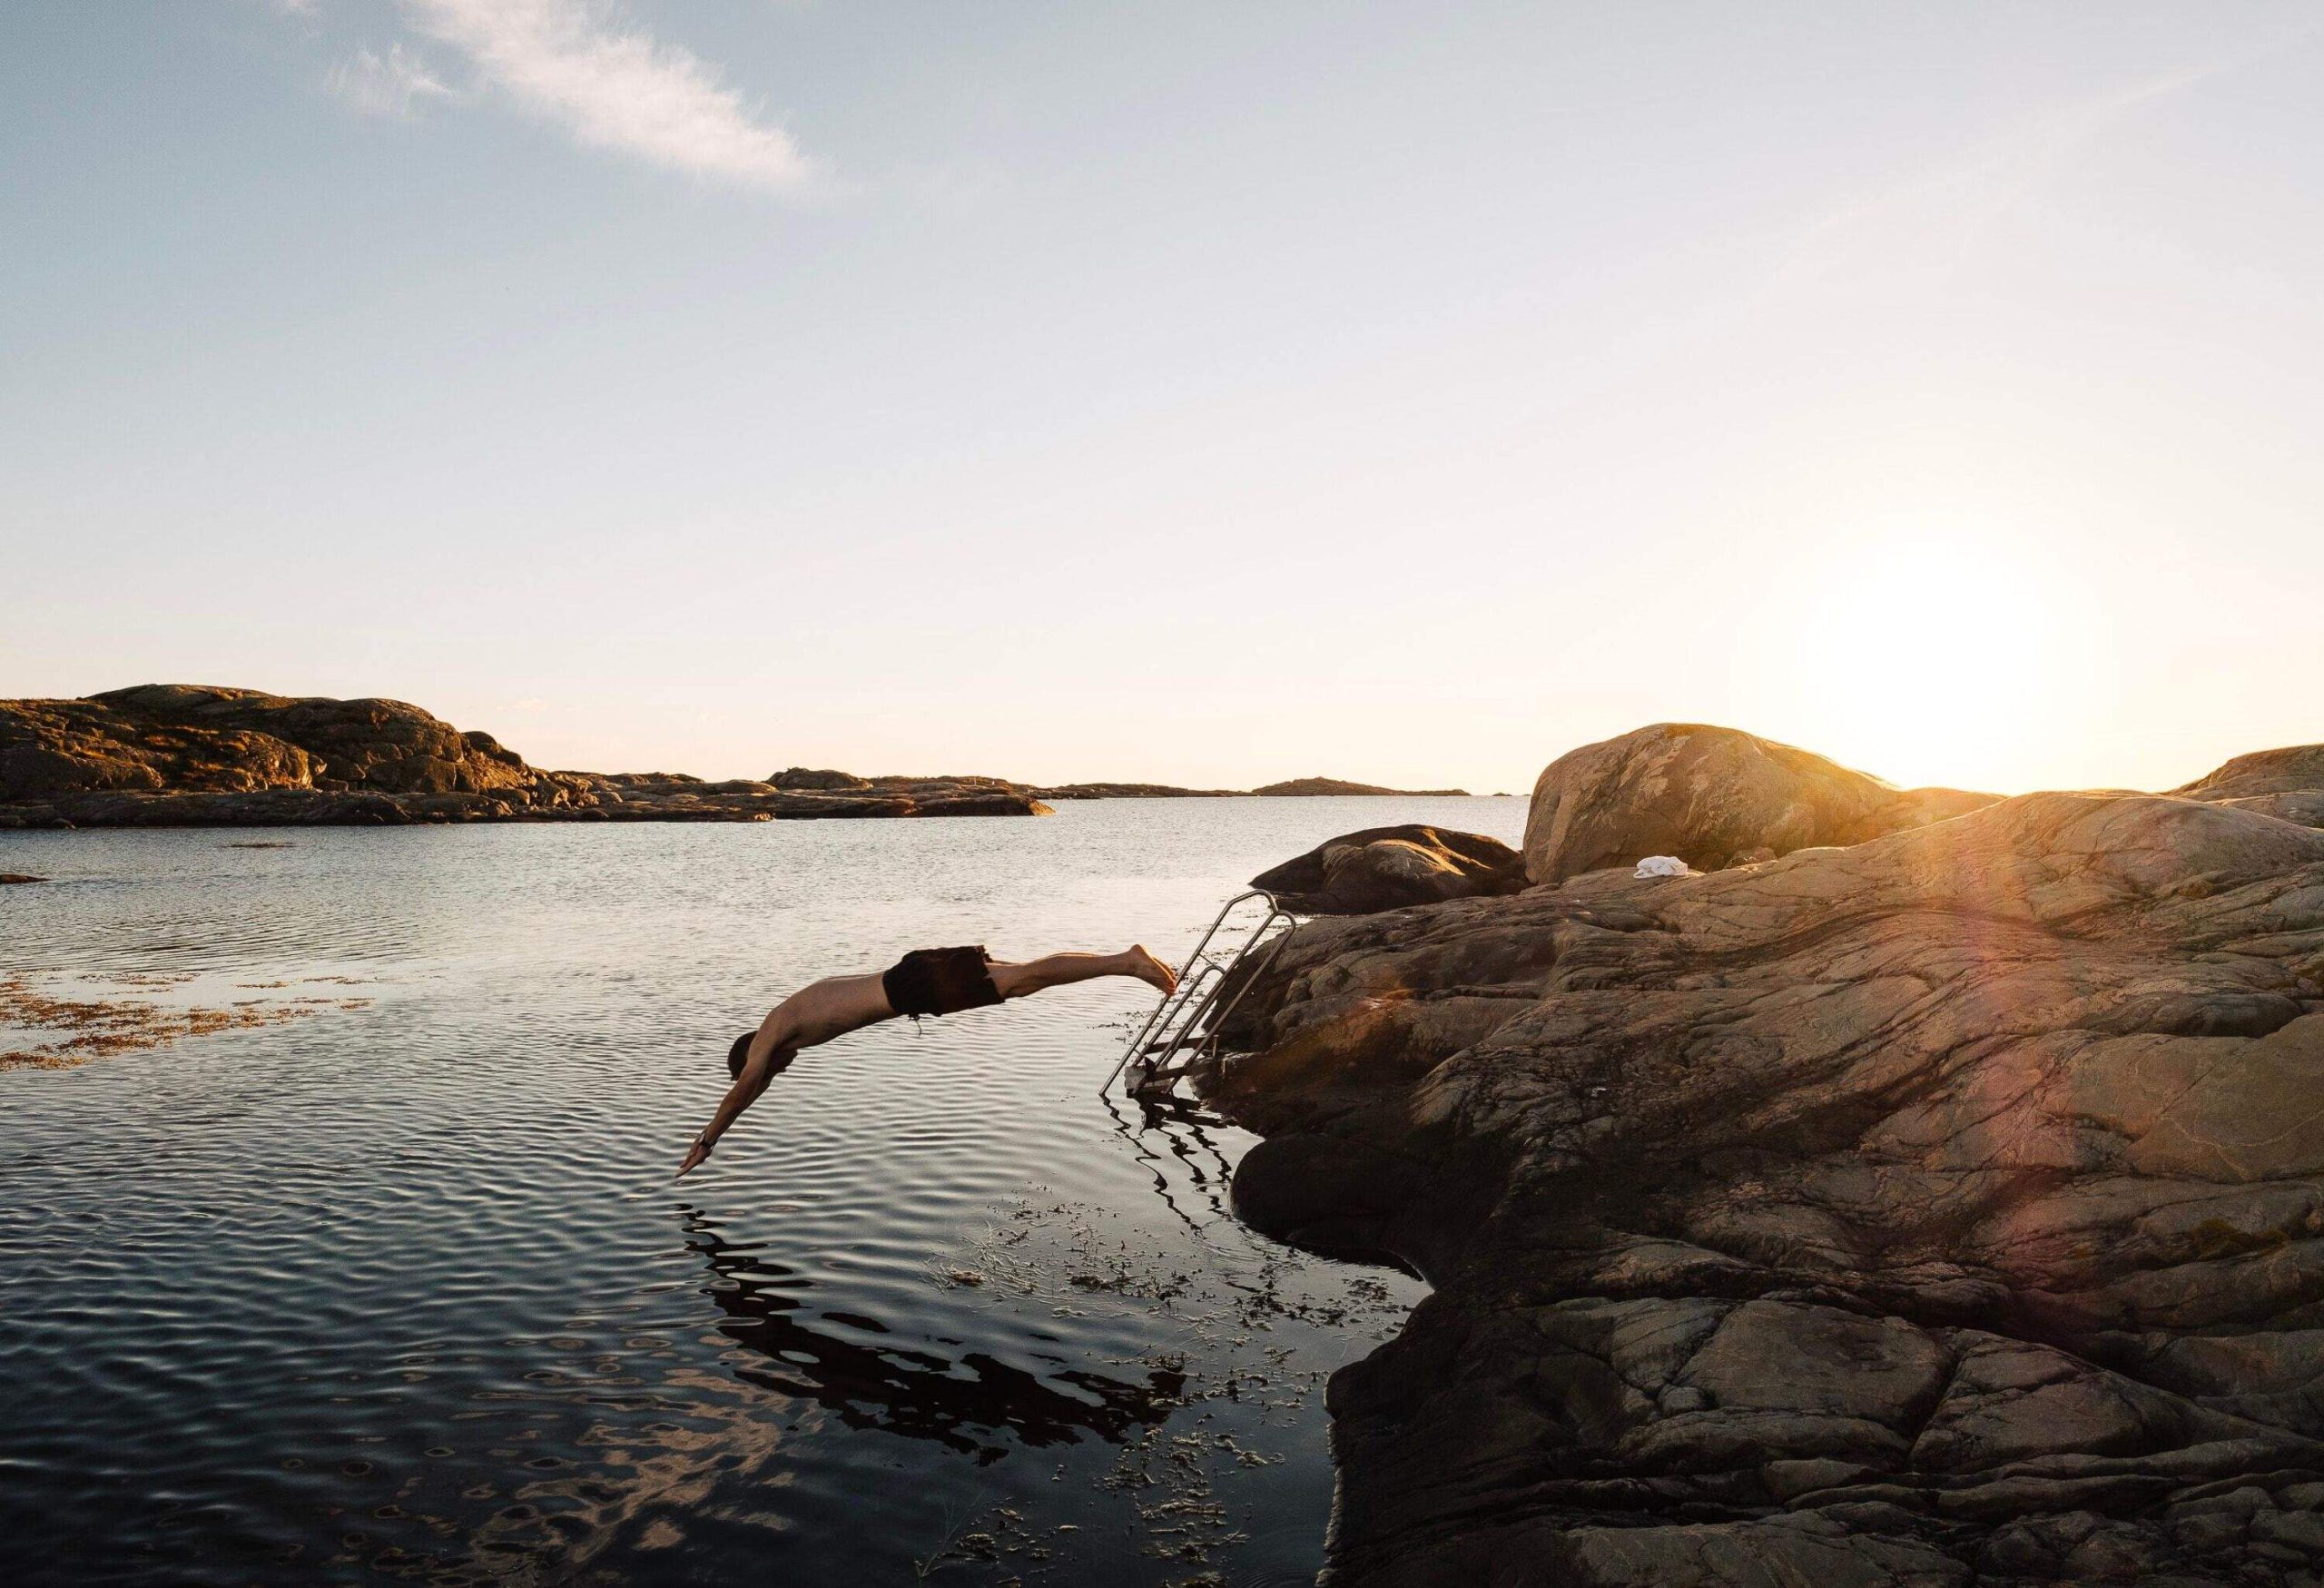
column 1178, row 1015
column 1178, row 995
column 1194, row 1022
column 1218, row 1021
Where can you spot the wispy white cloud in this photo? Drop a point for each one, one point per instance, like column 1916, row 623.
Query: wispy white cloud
column 385, row 85
column 614, row 86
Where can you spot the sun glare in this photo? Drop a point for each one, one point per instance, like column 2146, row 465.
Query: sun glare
column 1935, row 658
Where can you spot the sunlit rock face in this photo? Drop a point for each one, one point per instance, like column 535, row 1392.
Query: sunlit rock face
column 186, row 738
column 2287, row 782
column 1714, row 797
column 187, row 754
column 1946, row 1208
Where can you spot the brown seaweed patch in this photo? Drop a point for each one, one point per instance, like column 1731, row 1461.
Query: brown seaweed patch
column 99, row 1028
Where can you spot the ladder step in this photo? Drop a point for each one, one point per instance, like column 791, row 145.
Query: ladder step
column 1188, row 1020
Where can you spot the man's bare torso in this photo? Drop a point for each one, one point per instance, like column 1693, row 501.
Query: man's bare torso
column 832, row 1008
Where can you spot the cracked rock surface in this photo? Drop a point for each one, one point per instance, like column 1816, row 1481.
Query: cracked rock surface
column 1946, row 1208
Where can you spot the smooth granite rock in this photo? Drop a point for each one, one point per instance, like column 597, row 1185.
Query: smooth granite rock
column 1386, row 868
column 2296, row 769
column 1715, row 797
column 1945, row 1209
column 2287, row 782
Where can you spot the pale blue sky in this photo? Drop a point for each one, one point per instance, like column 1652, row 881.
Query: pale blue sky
column 1195, row 392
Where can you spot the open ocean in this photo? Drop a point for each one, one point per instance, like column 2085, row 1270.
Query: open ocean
column 403, row 1289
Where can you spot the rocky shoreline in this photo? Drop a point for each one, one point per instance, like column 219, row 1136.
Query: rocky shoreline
column 188, row 755
column 1929, row 1191
column 194, row 755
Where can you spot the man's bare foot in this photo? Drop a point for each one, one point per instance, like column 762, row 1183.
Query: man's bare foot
column 1149, row 970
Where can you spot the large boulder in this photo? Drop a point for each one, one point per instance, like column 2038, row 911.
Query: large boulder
column 182, row 738
column 2295, row 769
column 2287, row 782
column 1712, row 797
column 1386, row 868
column 56, row 747
column 1947, row 1208
column 388, row 746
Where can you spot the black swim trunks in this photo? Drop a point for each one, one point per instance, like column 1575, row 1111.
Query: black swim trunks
column 940, row 982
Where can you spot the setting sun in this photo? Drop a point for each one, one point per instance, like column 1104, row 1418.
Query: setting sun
column 1935, row 658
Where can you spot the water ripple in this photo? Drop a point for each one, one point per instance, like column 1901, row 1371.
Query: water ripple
column 406, row 1291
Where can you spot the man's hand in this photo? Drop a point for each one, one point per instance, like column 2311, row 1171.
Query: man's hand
column 746, row 1091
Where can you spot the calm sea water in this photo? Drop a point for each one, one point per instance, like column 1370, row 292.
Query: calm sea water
column 405, row 1291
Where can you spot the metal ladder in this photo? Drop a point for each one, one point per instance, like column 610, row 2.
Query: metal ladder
column 1188, row 1021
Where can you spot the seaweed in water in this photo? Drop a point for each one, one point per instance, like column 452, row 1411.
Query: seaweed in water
column 98, row 1028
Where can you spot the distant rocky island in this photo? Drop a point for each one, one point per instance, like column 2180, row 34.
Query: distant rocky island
column 185, row 755
column 1309, row 787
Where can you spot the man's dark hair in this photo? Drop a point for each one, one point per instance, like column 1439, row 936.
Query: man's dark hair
column 738, row 1053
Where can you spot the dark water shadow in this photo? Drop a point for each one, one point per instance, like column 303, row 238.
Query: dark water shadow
column 1184, row 1128
column 1179, row 1125
column 963, row 1402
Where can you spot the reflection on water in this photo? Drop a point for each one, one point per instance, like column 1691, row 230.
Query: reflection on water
column 1193, row 1182
column 959, row 1404
column 403, row 1290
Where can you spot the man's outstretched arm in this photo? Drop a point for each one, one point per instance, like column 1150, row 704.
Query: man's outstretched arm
column 757, row 1071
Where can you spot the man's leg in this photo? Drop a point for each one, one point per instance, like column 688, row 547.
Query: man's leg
column 1017, row 980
